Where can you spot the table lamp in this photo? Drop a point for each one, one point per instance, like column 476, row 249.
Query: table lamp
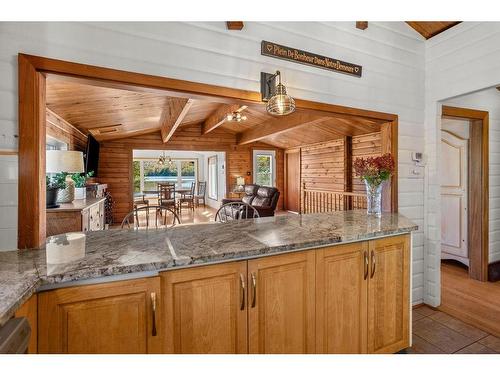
column 62, row 161
column 240, row 181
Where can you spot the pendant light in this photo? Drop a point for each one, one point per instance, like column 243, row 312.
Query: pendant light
column 280, row 103
column 163, row 159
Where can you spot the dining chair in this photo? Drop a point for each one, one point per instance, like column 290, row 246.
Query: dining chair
column 234, row 211
column 187, row 198
column 168, row 217
column 200, row 193
column 166, row 196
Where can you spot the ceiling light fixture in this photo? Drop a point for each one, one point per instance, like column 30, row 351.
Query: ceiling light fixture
column 236, row 116
column 162, row 160
column 279, row 103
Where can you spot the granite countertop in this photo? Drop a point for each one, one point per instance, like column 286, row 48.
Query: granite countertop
column 76, row 205
column 78, row 256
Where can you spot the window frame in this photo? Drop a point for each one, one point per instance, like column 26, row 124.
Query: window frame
column 216, row 196
column 272, row 154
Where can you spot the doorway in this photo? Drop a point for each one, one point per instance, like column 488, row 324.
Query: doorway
column 454, row 190
column 465, row 189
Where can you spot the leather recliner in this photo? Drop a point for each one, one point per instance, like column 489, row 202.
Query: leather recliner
column 263, row 198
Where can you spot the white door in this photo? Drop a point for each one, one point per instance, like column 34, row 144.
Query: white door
column 454, row 186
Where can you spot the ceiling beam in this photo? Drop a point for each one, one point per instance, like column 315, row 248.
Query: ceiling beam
column 277, row 126
column 172, row 116
column 234, row 25
column 219, row 117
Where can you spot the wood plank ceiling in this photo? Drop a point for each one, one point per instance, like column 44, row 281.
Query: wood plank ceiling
column 112, row 113
column 428, row 29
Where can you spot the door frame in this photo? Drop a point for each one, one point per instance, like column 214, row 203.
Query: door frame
column 32, row 74
column 297, row 150
column 478, row 197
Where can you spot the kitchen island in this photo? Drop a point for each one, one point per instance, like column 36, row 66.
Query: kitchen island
column 317, row 283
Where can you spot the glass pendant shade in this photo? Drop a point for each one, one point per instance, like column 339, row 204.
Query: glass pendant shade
column 281, row 103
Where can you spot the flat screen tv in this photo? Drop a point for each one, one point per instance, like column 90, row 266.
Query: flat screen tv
column 92, row 155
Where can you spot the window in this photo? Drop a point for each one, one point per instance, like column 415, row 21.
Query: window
column 264, row 167
column 188, row 173
column 212, row 177
column 148, row 173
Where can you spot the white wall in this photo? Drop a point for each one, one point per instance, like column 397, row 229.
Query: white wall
column 463, row 59
column 392, row 56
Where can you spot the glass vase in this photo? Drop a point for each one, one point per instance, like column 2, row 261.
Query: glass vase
column 373, row 199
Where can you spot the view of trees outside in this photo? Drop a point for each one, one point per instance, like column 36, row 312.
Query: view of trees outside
column 264, row 170
column 183, row 172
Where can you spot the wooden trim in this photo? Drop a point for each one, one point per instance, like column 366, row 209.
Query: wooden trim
column 347, row 170
column 362, row 25
column 172, row 117
column 32, row 73
column 285, row 178
column 234, row 25
column 478, row 188
column 8, row 152
column 31, row 187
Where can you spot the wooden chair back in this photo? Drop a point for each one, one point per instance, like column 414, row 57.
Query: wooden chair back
column 202, row 188
column 163, row 216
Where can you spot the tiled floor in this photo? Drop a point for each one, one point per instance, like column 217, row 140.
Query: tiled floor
column 435, row 332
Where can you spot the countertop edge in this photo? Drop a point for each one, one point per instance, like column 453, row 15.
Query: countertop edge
column 126, row 272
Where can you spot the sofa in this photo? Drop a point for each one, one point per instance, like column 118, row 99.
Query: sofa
column 263, row 198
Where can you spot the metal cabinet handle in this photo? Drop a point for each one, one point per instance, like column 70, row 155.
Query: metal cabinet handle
column 153, row 309
column 366, row 264
column 373, row 264
column 254, row 289
column 242, row 292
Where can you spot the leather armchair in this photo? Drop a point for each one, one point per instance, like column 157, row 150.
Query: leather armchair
column 263, row 198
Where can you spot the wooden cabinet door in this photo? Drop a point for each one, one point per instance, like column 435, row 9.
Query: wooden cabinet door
column 117, row 317
column 281, row 301
column 388, row 294
column 206, row 309
column 341, row 298
column 85, row 220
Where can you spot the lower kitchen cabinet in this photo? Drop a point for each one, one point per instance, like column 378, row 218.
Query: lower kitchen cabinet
column 281, row 302
column 362, row 296
column 115, row 317
column 205, row 309
column 341, row 298
column 348, row 298
column 389, row 294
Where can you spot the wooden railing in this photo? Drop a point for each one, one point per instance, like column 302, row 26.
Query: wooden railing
column 314, row 201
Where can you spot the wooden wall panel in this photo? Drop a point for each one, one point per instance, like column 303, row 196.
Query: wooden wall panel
column 63, row 131
column 322, row 166
column 115, row 160
column 363, row 146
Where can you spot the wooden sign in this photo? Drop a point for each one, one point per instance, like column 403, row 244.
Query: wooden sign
column 296, row 55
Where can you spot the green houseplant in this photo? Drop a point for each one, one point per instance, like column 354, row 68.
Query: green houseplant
column 80, row 180
column 52, row 186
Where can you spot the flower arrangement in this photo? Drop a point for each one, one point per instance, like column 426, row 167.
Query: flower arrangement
column 375, row 170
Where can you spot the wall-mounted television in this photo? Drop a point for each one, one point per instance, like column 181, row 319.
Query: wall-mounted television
column 92, row 155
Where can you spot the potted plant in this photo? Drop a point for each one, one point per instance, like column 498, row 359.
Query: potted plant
column 80, row 180
column 374, row 171
column 52, row 186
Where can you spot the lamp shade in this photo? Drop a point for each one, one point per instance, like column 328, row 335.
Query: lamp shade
column 64, row 161
column 280, row 104
column 240, row 181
